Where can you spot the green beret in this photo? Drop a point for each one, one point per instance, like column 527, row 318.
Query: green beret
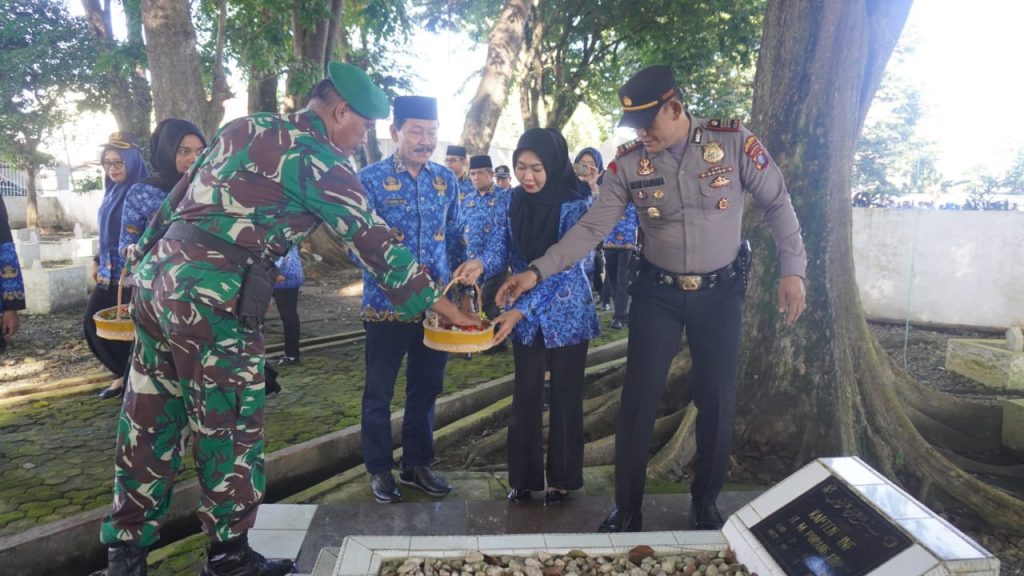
column 358, row 90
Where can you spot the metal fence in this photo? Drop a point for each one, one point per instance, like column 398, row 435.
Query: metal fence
column 13, row 182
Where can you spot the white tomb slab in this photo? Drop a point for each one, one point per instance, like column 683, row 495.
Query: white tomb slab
column 838, row 516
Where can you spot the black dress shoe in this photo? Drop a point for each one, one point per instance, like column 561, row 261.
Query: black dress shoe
column 519, row 496
column 423, row 478
column 241, row 560
column 704, row 515
column 109, row 393
column 288, row 361
column 384, row 488
column 555, row 497
column 126, row 559
column 619, row 521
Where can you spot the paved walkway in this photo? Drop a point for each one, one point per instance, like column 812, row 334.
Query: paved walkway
column 343, row 506
column 56, row 456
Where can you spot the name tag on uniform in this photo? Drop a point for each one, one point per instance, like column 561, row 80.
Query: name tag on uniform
column 650, row 182
column 395, row 202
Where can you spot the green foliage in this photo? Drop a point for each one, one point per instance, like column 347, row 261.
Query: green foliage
column 44, row 58
column 891, row 159
column 589, row 48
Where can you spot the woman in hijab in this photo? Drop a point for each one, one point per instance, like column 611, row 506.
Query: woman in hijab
column 173, row 148
column 123, row 167
column 589, row 169
column 551, row 326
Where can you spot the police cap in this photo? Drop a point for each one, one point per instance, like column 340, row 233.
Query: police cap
column 644, row 93
column 358, row 90
column 502, row 171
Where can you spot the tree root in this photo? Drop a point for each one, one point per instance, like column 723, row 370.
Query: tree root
column 601, row 452
column 672, row 459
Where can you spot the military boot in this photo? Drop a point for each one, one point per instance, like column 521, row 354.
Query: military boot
column 126, row 559
column 236, row 558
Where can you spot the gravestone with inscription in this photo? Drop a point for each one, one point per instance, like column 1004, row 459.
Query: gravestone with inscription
column 839, row 517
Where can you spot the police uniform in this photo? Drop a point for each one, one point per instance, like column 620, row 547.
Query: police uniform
column 689, row 199
column 264, row 183
column 424, row 215
column 485, row 213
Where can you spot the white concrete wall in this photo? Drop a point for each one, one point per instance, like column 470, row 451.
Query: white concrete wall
column 62, row 209
column 941, row 267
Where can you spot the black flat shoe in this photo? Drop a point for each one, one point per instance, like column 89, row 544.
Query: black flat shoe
column 555, row 497
column 519, row 496
column 109, row 393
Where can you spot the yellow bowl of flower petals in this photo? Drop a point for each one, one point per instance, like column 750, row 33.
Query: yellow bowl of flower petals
column 115, row 323
column 445, row 337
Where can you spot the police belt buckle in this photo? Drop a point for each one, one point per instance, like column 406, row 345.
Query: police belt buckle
column 689, row 283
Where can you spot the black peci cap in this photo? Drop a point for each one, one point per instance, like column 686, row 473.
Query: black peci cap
column 644, row 93
column 419, row 107
column 454, row 150
column 480, row 162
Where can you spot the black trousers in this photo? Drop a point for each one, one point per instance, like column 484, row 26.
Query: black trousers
column 387, row 343
column 564, row 469
column 616, row 281
column 114, row 354
column 658, row 316
column 287, row 301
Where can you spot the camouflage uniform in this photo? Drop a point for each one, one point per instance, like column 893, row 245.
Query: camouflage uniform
column 264, row 184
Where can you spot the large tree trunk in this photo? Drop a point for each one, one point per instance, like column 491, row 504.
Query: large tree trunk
column 262, row 93
column 504, row 48
column 178, row 90
column 31, row 198
column 532, row 76
column 314, row 43
column 130, row 98
column 826, row 387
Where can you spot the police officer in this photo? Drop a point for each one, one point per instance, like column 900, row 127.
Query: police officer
column 687, row 177
column 419, row 199
column 485, row 212
column 202, row 285
column 503, row 177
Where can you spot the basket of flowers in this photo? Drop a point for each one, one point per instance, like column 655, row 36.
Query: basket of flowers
column 115, row 323
column 440, row 335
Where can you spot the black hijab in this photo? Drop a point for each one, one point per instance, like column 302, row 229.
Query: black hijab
column 163, row 150
column 535, row 216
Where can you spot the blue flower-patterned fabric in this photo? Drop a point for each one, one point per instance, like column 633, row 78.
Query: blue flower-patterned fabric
column 12, row 285
column 424, row 216
column 139, row 205
column 485, row 213
column 623, row 235
column 290, row 266
column 562, row 305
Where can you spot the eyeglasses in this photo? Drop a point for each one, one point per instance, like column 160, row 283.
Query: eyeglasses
column 113, row 164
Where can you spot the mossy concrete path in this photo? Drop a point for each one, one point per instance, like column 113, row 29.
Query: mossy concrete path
column 56, row 455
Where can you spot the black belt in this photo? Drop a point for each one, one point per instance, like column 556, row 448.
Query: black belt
column 188, row 232
column 691, row 282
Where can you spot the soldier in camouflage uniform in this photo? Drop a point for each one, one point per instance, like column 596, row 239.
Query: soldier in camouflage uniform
column 264, row 183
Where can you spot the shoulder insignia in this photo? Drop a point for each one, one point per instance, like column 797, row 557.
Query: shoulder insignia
column 723, row 124
column 628, row 147
column 753, row 149
column 613, row 167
